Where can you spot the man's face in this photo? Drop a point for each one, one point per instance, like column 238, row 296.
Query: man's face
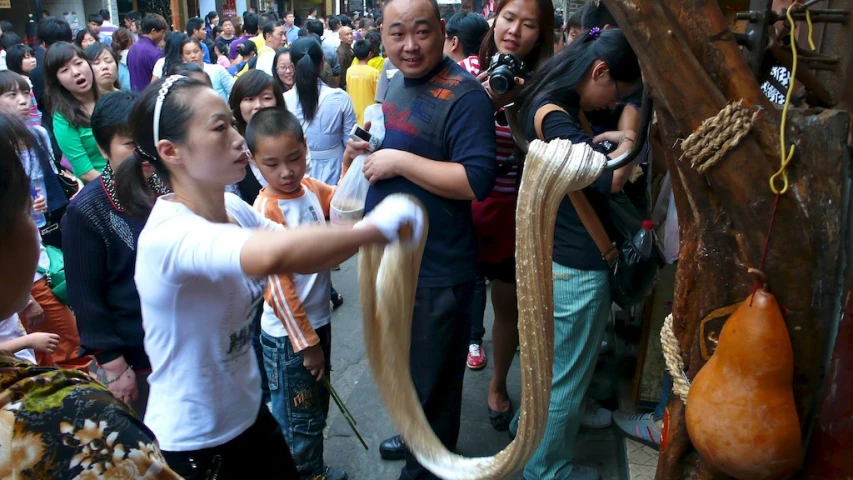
column 199, row 34
column 95, row 28
column 345, row 34
column 289, row 19
column 276, row 39
column 413, row 36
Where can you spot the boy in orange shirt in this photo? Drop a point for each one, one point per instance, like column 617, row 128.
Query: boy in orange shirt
column 296, row 335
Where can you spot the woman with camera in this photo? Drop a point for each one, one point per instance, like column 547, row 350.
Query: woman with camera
column 519, row 40
column 594, row 73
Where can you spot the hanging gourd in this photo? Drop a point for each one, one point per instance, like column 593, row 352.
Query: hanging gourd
column 741, row 415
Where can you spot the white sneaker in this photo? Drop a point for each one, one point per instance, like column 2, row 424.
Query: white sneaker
column 594, row 415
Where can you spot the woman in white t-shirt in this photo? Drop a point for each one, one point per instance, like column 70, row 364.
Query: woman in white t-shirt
column 201, row 265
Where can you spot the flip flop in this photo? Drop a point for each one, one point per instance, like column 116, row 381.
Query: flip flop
column 500, row 420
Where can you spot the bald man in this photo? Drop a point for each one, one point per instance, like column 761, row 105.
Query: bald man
column 345, row 53
column 440, row 147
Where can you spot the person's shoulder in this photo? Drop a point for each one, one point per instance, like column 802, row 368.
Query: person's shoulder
column 91, row 196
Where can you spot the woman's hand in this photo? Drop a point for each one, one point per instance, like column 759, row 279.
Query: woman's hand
column 616, row 137
column 500, row 101
column 314, row 361
column 43, row 341
column 394, row 213
column 40, row 203
column 124, row 386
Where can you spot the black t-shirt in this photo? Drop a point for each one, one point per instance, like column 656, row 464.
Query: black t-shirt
column 573, row 246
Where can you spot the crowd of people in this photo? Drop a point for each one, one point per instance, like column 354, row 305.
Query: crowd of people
column 178, row 281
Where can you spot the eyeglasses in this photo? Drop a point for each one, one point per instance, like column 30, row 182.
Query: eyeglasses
column 285, row 68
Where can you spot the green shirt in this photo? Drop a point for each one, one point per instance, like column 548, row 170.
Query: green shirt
column 78, row 145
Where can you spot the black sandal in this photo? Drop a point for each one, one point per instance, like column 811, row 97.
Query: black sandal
column 500, row 420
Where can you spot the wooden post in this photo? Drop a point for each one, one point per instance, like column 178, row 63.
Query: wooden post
column 693, row 68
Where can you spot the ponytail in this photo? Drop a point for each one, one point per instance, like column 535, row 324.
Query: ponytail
column 132, row 187
column 307, row 54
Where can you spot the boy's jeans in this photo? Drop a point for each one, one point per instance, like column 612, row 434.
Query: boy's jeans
column 299, row 403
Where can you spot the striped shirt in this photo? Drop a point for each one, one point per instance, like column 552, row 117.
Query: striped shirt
column 296, row 305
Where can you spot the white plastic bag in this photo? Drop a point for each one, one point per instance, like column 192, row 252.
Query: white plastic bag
column 374, row 115
column 666, row 218
column 347, row 205
column 348, row 201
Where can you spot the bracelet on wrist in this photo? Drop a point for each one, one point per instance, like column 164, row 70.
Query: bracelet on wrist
column 107, row 381
column 625, row 139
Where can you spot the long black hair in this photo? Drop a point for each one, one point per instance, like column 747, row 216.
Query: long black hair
column 15, row 198
column 470, row 28
column 59, row 99
column 175, row 117
column 307, row 55
column 251, row 84
column 172, row 54
column 558, row 77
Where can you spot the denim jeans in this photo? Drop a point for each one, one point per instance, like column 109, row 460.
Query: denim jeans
column 478, row 311
column 300, row 403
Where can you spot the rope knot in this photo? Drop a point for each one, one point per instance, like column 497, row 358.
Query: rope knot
column 717, row 135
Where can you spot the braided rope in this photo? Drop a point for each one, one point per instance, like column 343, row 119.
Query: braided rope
column 674, row 362
column 717, row 135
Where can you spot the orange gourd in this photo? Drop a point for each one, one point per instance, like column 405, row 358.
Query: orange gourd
column 740, row 414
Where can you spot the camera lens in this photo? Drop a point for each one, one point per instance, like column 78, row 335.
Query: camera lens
column 501, row 80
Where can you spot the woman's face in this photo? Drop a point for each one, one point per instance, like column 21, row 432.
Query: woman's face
column 88, row 40
column 517, row 28
column 106, row 71
column 213, row 152
column 28, row 64
column 599, row 91
column 191, row 53
column 284, row 69
column 15, row 102
column 76, row 76
column 250, row 105
column 214, row 20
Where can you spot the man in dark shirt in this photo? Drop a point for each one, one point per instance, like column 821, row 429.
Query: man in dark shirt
column 345, row 54
column 440, row 147
column 145, row 53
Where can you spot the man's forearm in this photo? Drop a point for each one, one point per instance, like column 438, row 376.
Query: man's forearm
column 445, row 179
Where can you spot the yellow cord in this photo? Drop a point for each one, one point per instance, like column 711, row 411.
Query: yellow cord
column 809, row 22
column 786, row 158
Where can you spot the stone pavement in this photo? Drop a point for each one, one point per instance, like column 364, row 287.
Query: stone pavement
column 602, row 449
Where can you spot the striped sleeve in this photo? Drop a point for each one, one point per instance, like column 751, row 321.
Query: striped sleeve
column 280, row 294
column 324, row 193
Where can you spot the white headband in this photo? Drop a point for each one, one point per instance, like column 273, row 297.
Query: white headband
column 158, row 107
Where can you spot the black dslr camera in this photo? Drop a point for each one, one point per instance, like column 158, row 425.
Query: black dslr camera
column 503, row 68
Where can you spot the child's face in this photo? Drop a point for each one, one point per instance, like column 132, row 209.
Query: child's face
column 281, row 161
column 28, row 64
column 121, row 147
column 16, row 102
